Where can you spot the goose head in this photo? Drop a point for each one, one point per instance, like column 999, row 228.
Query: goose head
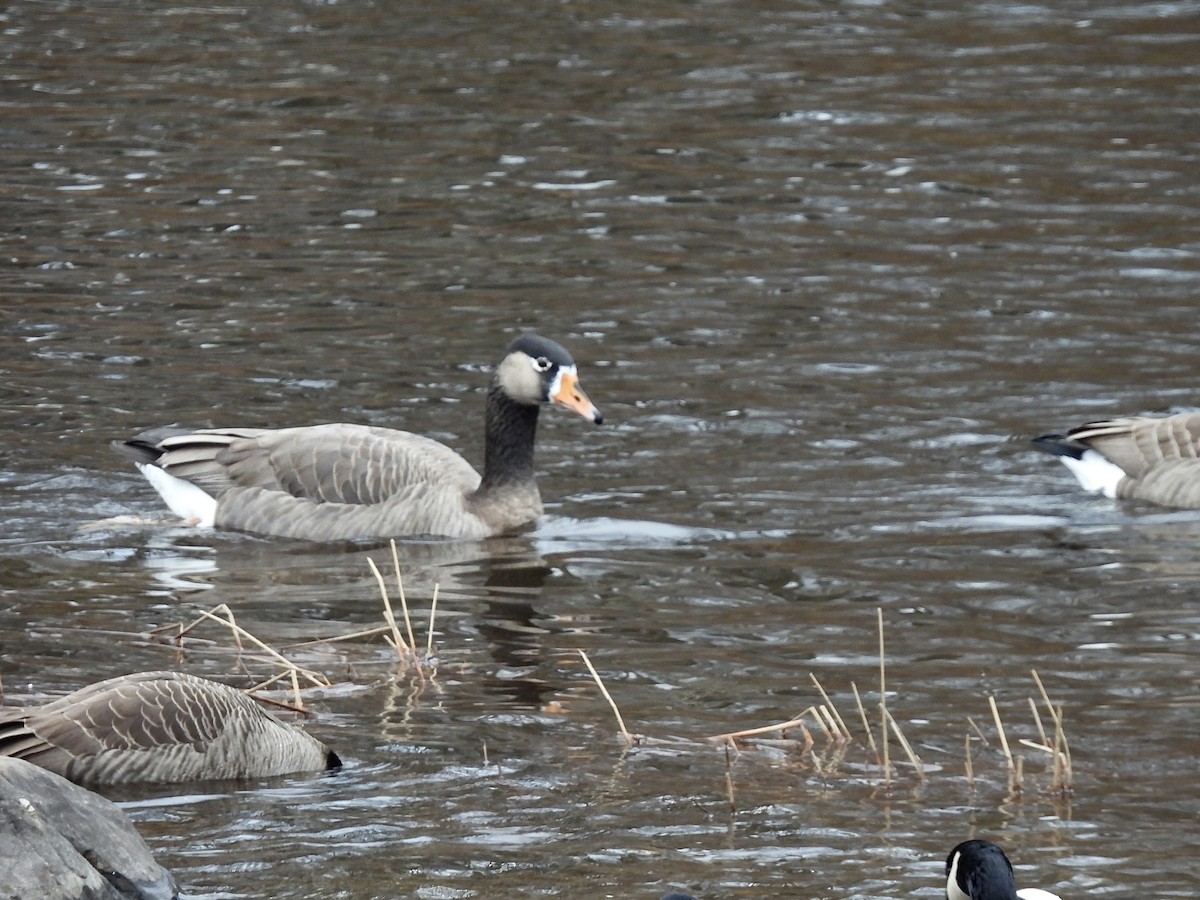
column 537, row 371
column 979, row 870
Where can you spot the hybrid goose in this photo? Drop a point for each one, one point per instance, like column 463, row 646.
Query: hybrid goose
column 159, row 728
column 340, row 482
column 979, row 870
column 1154, row 459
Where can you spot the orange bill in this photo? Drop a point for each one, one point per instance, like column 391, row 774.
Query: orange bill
column 571, row 396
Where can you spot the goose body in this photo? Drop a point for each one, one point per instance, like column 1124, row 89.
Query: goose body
column 979, row 870
column 158, row 727
column 1142, row 458
column 341, row 481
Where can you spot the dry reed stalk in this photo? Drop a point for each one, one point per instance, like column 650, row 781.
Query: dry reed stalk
column 412, row 641
column 796, row 722
column 629, row 740
column 1037, row 720
column 808, row 738
column 883, row 713
column 271, row 701
column 1003, row 737
column 1063, row 777
column 979, row 732
column 862, row 714
column 1042, row 690
column 354, row 635
column 432, row 616
column 228, row 622
column 841, row 729
column 389, row 617
column 907, row 747
column 1056, row 717
column 729, row 780
column 970, row 766
column 281, row 660
column 833, row 729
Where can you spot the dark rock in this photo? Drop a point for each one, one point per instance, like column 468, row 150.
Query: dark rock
column 59, row 841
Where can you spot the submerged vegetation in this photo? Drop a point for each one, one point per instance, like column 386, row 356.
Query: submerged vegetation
column 873, row 747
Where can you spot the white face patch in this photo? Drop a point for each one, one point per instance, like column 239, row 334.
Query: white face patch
column 953, row 891
column 556, row 384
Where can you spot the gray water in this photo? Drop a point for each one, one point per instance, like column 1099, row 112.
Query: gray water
column 825, row 267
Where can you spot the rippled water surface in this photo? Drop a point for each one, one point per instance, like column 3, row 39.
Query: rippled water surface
column 824, row 266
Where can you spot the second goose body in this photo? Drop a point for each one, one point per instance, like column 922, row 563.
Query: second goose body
column 1142, row 458
column 158, row 728
column 340, row 481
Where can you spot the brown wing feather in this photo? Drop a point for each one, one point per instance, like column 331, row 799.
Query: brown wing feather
column 340, row 463
column 1137, row 444
column 141, row 712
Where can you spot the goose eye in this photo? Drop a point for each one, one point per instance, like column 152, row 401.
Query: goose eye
column 541, row 364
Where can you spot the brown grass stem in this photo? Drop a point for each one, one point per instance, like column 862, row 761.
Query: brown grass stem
column 279, row 658
column 389, row 617
column 794, row 722
column 1037, row 719
column 968, row 764
column 862, row 714
column 906, row 746
column 1000, row 731
column 432, row 616
column 883, row 713
column 629, row 741
column 412, row 641
column 841, row 725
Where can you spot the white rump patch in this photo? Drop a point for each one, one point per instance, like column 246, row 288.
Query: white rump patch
column 184, row 499
column 1095, row 473
column 1036, row 894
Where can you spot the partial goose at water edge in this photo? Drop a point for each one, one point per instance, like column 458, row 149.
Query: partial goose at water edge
column 1156, row 459
column 979, row 870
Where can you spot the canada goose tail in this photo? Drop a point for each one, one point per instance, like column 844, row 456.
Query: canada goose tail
column 181, row 466
column 1090, row 468
column 183, row 498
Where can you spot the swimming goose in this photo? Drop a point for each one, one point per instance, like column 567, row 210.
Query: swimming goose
column 339, row 482
column 1155, row 459
column 159, row 727
column 979, row 870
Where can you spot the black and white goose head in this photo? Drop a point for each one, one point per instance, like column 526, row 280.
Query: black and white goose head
column 979, row 870
column 536, row 370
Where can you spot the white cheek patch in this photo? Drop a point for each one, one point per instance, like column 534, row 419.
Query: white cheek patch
column 953, row 891
column 182, row 497
column 559, row 376
column 1095, row 473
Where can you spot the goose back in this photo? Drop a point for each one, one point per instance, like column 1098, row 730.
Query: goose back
column 1139, row 444
column 158, row 727
column 1158, row 458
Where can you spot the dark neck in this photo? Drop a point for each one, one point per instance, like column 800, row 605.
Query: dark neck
column 509, row 432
